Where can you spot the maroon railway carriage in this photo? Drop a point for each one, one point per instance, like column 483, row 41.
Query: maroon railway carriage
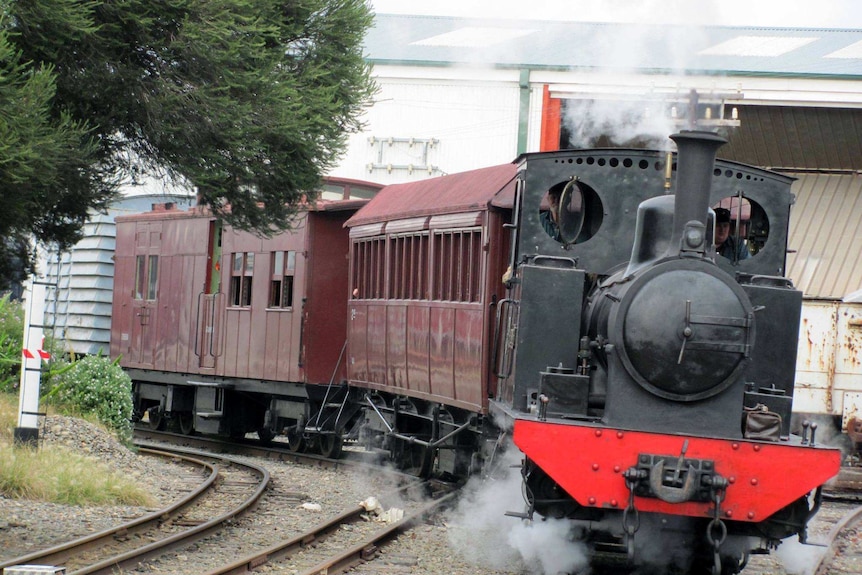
column 220, row 330
column 426, row 261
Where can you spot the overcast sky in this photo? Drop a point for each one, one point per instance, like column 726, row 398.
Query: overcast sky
column 780, row 13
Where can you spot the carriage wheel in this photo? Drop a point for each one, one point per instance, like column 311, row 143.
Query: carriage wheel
column 412, row 458
column 187, row 422
column 295, row 440
column 265, row 435
column 331, row 445
column 157, row 418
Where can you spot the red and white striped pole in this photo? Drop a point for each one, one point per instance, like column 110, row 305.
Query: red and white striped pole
column 31, row 365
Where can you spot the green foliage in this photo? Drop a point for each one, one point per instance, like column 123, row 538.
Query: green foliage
column 249, row 101
column 49, row 170
column 60, row 476
column 11, row 338
column 97, row 385
column 53, row 473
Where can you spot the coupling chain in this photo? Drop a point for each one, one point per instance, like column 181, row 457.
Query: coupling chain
column 631, row 517
column 716, row 532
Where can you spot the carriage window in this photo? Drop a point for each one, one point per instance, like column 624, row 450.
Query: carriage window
column 457, row 265
column 240, row 280
column 741, row 228
column 140, row 276
column 408, row 263
column 152, row 277
column 281, row 286
column 146, row 277
column 368, row 268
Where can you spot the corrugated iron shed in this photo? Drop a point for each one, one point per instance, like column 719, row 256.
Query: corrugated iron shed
column 788, row 137
column 462, row 192
column 826, row 235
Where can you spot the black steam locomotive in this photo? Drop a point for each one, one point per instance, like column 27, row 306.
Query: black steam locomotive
column 650, row 379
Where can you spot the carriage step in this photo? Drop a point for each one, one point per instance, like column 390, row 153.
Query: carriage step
column 209, row 414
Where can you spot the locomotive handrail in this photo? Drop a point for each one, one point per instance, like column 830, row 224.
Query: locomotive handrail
column 761, row 279
column 563, row 259
column 499, row 370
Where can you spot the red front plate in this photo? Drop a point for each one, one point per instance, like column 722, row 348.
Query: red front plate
column 589, row 462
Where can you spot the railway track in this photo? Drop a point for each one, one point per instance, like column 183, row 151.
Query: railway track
column 276, row 451
column 221, row 489
column 310, row 553
column 340, row 542
column 842, row 553
column 163, row 538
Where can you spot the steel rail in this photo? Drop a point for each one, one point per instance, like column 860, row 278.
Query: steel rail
column 367, row 550
column 822, row 567
column 289, row 547
column 60, row 554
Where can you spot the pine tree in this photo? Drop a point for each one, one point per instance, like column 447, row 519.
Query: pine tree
column 248, row 101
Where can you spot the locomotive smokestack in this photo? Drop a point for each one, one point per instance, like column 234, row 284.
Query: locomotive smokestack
column 695, row 163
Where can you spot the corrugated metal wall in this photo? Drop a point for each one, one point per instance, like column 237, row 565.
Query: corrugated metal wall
column 797, row 137
column 826, row 234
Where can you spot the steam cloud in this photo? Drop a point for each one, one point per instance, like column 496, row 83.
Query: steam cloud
column 482, row 533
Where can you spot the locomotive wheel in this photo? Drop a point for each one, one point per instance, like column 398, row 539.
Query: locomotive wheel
column 157, row 418
column 295, row 440
column 187, row 422
column 331, row 445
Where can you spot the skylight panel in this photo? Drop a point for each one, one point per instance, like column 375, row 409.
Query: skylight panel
column 762, row 46
column 852, row 51
column 474, row 37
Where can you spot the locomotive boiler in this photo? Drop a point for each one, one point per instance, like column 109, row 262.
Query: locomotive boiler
column 650, row 379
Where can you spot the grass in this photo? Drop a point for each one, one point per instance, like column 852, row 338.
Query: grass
column 56, row 474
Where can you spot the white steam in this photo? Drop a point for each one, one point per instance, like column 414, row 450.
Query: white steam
column 482, row 533
column 799, row 559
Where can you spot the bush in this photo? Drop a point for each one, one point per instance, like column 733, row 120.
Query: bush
column 11, row 342
column 97, row 385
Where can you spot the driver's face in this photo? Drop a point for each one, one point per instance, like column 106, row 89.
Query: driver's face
column 722, row 230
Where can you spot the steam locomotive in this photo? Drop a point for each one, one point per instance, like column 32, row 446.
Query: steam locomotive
column 647, row 380
column 653, row 379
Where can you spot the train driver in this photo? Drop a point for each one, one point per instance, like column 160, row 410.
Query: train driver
column 550, row 218
column 725, row 243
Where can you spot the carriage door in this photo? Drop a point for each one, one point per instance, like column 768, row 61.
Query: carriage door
column 148, row 238
column 210, row 301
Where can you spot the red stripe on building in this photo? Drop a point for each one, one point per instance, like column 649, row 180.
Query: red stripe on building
column 551, row 108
